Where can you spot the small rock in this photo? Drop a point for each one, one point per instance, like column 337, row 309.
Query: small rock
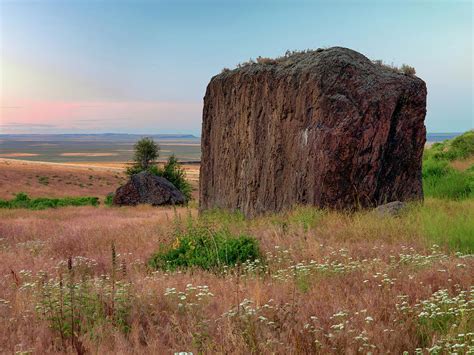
column 390, row 209
column 147, row 188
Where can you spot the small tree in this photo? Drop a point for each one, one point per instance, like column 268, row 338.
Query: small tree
column 146, row 153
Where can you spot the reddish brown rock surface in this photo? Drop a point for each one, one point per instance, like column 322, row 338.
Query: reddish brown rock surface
column 327, row 128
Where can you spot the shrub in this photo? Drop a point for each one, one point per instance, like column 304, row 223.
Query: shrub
column 174, row 173
column 109, row 199
column 245, row 64
column 206, row 248
column 405, row 69
column 146, row 151
column 133, row 169
column 43, row 180
column 408, row 70
column 381, row 63
column 265, row 60
column 22, row 200
column 462, row 147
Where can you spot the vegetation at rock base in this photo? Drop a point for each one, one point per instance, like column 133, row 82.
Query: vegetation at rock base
column 108, row 201
column 22, row 200
column 174, row 173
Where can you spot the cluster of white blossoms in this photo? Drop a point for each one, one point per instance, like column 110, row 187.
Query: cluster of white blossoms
column 451, row 316
column 191, row 296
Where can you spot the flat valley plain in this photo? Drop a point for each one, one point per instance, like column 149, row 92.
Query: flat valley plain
column 99, row 148
column 326, row 282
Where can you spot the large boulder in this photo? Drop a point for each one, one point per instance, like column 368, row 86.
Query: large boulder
column 148, row 188
column 328, row 128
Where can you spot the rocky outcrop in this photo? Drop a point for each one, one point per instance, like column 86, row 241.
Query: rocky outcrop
column 328, row 128
column 148, row 188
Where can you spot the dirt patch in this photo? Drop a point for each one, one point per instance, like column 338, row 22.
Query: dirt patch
column 63, row 179
column 18, row 155
column 462, row 165
column 88, row 154
column 182, row 144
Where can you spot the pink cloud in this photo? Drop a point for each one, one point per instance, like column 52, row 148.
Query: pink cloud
column 93, row 115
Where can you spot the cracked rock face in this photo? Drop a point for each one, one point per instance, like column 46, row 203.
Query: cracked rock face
column 327, row 128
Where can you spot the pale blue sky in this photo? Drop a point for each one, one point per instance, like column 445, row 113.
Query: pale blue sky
column 143, row 66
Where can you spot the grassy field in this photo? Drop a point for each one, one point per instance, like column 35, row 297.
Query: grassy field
column 41, row 179
column 83, row 279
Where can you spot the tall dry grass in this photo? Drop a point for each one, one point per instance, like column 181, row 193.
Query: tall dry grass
column 333, row 282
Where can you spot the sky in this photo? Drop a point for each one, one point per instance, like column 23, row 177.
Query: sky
column 90, row 66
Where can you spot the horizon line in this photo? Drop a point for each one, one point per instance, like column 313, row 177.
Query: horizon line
column 162, row 134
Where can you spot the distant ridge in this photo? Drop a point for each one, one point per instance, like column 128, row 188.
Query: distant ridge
column 439, row 137
column 94, row 137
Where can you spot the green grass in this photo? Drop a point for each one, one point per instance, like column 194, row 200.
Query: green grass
column 305, row 217
column 452, row 184
column 224, row 218
column 461, row 147
column 207, row 248
column 447, row 223
column 440, row 179
column 22, row 200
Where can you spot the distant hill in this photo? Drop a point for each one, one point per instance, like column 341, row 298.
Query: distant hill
column 439, row 137
column 93, row 137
